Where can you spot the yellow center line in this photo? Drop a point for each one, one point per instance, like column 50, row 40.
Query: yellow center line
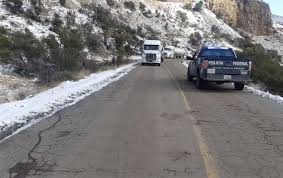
column 209, row 162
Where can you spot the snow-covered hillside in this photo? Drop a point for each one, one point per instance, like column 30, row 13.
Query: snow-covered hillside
column 172, row 22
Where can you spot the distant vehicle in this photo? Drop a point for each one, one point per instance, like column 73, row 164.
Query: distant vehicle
column 152, row 52
column 220, row 65
column 180, row 52
column 168, row 52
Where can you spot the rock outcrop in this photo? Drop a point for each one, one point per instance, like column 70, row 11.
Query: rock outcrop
column 253, row 16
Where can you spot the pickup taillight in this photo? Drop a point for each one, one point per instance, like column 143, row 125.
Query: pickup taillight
column 250, row 66
column 205, row 64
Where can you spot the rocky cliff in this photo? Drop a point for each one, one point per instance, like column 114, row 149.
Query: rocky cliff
column 253, row 16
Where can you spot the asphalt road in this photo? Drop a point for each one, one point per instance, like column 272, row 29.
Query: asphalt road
column 153, row 124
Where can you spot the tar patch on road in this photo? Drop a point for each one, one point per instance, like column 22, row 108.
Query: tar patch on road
column 170, row 116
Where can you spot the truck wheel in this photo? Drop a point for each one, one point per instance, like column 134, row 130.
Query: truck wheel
column 189, row 77
column 200, row 83
column 239, row 86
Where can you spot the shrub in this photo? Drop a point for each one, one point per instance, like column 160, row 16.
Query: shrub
column 215, row 29
column 147, row 14
column 70, row 19
column 62, row 2
column 130, row 5
column 142, row 7
column 110, row 3
column 198, row 7
column 56, row 23
column 37, row 6
column 183, row 16
column 102, row 16
column 195, row 39
column 31, row 14
column 266, row 69
column 27, row 53
column 93, row 42
column 188, row 6
column 5, row 48
column 14, row 6
column 3, row 30
column 72, row 43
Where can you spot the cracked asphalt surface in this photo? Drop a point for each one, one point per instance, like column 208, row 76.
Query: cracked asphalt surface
column 139, row 127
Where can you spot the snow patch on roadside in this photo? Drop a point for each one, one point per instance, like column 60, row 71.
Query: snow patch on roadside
column 47, row 103
column 264, row 94
column 186, row 63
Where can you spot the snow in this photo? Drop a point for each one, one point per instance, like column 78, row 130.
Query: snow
column 264, row 94
column 254, row 90
column 6, row 69
column 52, row 100
column 186, row 63
column 17, row 23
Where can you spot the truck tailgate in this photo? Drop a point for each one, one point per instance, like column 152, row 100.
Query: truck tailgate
column 228, row 66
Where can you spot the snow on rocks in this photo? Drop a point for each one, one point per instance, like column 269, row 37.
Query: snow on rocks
column 20, row 113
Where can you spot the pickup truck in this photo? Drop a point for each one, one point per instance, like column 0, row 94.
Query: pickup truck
column 220, row 65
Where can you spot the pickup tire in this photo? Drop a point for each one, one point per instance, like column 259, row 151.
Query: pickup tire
column 239, row 86
column 200, row 83
column 189, row 77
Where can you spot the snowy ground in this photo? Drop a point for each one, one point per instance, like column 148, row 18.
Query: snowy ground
column 15, row 115
column 255, row 90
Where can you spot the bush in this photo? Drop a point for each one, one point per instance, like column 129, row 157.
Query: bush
column 72, row 43
column 147, row 14
column 27, row 53
column 37, row 6
column 110, row 3
column 102, row 16
column 142, row 7
column 215, row 29
column 130, row 5
column 183, row 16
column 31, row 14
column 195, row 39
column 5, row 48
column 56, row 23
column 188, row 6
column 14, row 6
column 93, row 42
column 62, row 2
column 198, row 7
column 266, row 69
column 71, row 19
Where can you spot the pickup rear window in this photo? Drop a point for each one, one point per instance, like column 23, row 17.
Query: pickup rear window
column 217, row 53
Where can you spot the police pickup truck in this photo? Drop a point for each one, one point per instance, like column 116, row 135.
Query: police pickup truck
column 220, row 65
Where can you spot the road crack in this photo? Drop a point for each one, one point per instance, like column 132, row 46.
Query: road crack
column 24, row 169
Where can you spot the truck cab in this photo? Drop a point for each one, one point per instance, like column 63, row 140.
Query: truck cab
column 220, row 65
column 152, row 52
